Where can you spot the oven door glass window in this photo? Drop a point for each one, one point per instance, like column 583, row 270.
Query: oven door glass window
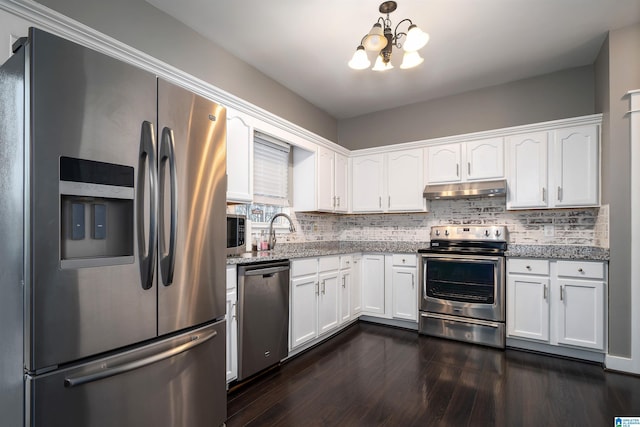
column 470, row 281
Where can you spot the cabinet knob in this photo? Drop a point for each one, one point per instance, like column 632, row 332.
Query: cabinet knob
column 528, row 267
column 403, row 260
column 580, row 270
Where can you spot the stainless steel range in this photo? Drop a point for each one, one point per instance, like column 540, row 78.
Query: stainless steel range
column 462, row 275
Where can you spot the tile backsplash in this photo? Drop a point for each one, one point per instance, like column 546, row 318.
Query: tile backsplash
column 585, row 227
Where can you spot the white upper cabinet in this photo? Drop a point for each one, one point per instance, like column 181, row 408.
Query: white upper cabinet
column 332, row 181
column 341, row 182
column 576, row 169
column 239, row 157
column 443, row 163
column 368, row 183
column 484, row 159
column 405, row 180
column 466, row 161
column 527, row 177
column 391, row 182
column 554, row 169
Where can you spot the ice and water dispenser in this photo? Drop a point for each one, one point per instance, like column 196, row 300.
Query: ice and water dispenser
column 97, row 213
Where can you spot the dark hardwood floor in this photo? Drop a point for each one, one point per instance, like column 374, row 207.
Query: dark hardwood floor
column 372, row 375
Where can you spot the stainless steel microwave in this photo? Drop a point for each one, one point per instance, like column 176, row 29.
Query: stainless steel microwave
column 236, row 234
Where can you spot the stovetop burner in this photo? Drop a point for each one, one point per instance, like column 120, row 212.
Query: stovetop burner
column 468, row 239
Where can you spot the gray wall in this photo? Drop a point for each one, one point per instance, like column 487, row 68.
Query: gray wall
column 142, row 26
column 618, row 71
column 558, row 95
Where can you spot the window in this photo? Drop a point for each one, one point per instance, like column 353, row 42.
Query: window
column 271, row 159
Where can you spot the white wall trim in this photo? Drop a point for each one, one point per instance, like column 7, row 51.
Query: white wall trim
column 63, row 26
column 632, row 363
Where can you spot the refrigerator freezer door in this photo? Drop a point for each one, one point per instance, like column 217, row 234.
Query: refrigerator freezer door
column 172, row 383
column 192, row 209
column 88, row 109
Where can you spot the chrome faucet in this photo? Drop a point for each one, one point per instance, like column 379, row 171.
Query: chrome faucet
column 272, row 233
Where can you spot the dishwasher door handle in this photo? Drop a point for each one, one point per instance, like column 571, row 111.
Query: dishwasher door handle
column 266, row 271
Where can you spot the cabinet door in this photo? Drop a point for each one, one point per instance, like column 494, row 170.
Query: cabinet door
column 239, row 158
column 304, row 314
column 326, row 172
column 232, row 336
column 328, row 302
column 527, row 177
column 345, row 295
column 356, row 288
column 576, row 170
column 580, row 313
column 373, row 284
column 405, row 297
column 485, row 159
column 528, row 307
column 443, row 163
column 405, row 180
column 368, row 183
column 341, row 182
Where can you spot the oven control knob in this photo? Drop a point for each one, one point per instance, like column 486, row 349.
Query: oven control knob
column 497, row 233
column 486, row 233
column 446, row 232
column 437, row 232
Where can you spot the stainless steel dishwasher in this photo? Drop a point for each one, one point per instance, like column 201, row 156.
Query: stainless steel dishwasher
column 263, row 316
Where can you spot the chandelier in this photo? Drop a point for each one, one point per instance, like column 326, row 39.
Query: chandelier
column 380, row 39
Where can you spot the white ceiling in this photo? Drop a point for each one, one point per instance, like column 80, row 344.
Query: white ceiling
column 306, row 44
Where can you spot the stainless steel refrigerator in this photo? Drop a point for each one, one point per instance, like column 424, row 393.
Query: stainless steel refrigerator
column 112, row 220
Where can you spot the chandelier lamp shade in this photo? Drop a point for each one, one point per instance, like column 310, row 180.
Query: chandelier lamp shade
column 382, row 40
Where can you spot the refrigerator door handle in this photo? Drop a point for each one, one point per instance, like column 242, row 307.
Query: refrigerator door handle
column 167, row 154
column 147, row 253
column 107, row 372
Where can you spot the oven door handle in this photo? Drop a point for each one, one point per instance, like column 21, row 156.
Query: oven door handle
column 424, row 278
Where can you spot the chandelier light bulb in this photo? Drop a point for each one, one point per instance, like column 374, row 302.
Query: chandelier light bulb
column 411, row 59
column 381, row 66
column 359, row 61
column 416, row 39
column 375, row 40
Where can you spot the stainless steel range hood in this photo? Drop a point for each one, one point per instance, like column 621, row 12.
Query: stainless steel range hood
column 466, row 190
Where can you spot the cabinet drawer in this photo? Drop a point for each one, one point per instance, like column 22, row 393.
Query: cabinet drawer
column 581, row 269
column 304, row 267
column 231, row 277
column 329, row 263
column 408, row 260
column 528, row 266
column 346, row 261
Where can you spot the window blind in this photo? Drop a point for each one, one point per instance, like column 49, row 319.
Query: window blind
column 271, row 169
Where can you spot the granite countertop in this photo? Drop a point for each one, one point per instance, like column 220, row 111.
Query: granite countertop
column 314, row 249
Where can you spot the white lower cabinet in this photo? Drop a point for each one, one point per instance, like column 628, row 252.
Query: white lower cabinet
column 373, row 289
column 404, row 285
column 346, row 285
column 328, row 301
column 355, row 300
column 561, row 303
column 232, row 324
column 321, row 298
column 528, row 299
column 390, row 286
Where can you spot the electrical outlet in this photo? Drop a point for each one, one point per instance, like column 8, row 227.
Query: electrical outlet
column 549, row 230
